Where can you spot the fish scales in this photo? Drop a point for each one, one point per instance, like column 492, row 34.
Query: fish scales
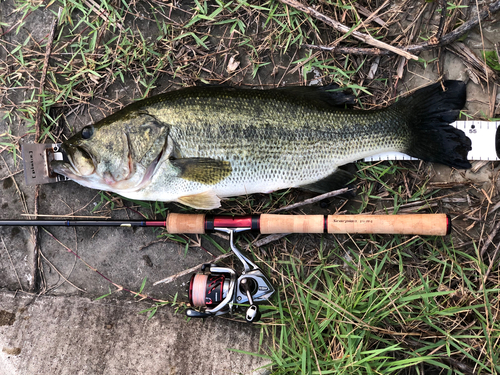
column 271, row 138
column 200, row 144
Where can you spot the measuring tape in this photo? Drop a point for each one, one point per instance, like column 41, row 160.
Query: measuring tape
column 483, row 135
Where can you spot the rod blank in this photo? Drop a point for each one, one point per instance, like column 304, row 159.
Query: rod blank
column 74, row 223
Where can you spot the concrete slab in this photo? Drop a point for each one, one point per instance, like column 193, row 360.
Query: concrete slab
column 75, row 335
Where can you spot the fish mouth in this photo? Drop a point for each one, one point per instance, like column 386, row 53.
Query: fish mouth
column 77, row 162
column 81, row 165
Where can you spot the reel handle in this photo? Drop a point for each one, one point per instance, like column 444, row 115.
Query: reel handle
column 253, row 313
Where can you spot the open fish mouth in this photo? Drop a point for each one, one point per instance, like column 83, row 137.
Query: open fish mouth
column 81, row 166
column 79, row 163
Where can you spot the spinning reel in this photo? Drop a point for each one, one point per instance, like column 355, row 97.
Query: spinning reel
column 216, row 289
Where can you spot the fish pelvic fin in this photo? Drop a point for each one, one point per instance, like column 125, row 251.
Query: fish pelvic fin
column 203, row 201
column 430, row 111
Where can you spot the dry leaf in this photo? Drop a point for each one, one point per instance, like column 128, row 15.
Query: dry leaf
column 232, row 65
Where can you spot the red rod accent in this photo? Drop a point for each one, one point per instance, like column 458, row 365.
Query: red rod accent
column 232, row 222
column 156, row 224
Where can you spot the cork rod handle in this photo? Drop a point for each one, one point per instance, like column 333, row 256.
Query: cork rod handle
column 419, row 224
column 185, row 223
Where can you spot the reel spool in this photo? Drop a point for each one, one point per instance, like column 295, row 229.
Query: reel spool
column 217, row 289
column 208, row 290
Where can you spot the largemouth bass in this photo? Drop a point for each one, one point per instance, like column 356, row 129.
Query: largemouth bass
column 200, row 144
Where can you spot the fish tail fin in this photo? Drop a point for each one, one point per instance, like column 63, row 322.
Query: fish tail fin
column 430, row 111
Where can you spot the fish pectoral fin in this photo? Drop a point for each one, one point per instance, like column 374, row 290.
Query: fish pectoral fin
column 334, row 181
column 204, row 201
column 204, row 170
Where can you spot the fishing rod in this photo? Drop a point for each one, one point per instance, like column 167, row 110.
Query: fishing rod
column 216, row 290
column 416, row 224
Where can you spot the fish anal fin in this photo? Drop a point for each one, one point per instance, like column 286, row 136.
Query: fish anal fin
column 204, row 170
column 203, row 201
column 334, row 181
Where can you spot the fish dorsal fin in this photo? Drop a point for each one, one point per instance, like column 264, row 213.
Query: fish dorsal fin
column 334, row 181
column 327, row 96
column 203, row 201
column 204, row 170
column 320, row 95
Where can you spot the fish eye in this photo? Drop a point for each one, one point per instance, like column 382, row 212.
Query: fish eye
column 87, row 132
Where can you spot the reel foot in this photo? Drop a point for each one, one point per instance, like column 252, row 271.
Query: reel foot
column 197, row 314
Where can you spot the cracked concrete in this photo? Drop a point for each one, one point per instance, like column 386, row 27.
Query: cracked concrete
column 75, row 335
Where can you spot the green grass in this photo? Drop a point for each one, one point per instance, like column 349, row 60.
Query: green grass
column 95, row 50
column 362, row 314
column 382, row 188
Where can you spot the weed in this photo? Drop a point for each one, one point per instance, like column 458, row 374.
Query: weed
column 365, row 315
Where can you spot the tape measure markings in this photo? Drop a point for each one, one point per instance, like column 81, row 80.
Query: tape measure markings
column 483, row 135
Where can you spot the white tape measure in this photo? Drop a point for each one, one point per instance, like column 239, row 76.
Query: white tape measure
column 483, row 135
